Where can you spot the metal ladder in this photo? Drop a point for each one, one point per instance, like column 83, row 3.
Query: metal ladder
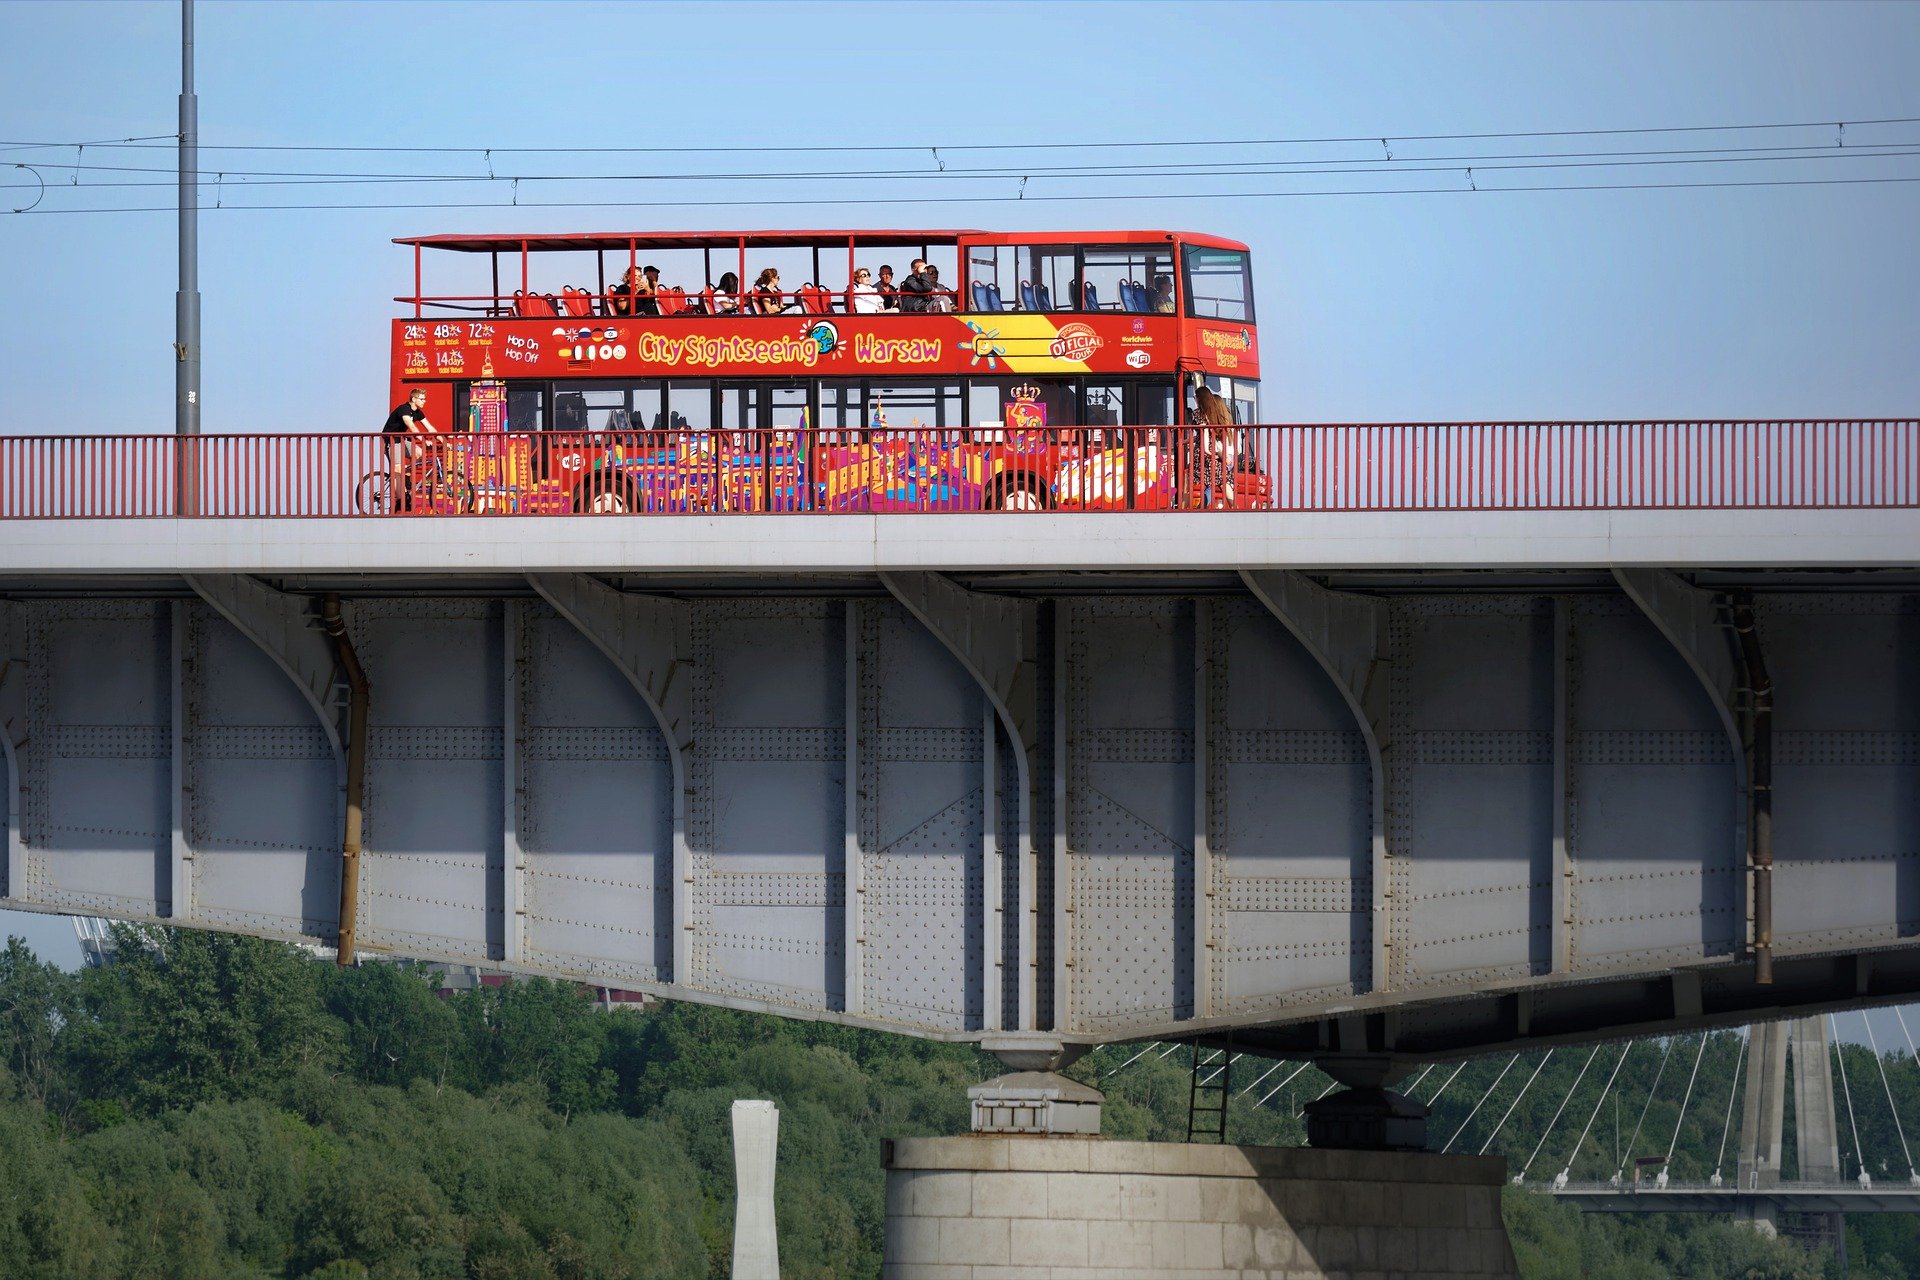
column 1210, row 1085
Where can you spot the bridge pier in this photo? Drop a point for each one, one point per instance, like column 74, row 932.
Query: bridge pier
column 1018, row 1206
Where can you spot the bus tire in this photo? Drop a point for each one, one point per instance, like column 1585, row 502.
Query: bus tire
column 1015, row 492
column 604, row 495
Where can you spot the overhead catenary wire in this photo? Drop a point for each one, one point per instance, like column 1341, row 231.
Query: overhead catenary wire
column 905, row 147
column 872, row 202
column 1192, row 169
column 1483, row 1102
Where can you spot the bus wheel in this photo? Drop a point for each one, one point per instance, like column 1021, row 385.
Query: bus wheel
column 1018, row 495
column 602, row 497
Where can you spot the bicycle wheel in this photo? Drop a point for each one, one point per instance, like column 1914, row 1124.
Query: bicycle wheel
column 447, row 495
column 374, row 494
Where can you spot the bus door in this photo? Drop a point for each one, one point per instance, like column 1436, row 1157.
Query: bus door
column 759, row 445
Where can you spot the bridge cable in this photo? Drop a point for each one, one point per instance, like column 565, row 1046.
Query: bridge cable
column 1505, row 1115
column 1443, row 1084
column 1913, row 1175
column 1283, row 1084
column 1581, row 1141
column 1331, row 1086
column 1277, row 1064
column 1130, row 1061
column 1733, row 1091
column 1556, row 1115
column 1652, row 1091
column 1483, row 1102
column 1685, row 1098
column 1859, row 1156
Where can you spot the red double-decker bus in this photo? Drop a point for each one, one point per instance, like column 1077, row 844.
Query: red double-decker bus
column 816, row 370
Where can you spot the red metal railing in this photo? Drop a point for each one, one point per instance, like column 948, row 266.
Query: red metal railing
column 1537, row 466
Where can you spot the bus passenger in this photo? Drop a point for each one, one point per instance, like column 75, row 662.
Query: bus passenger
column 863, row 297
column 914, row 290
column 646, row 300
column 726, row 298
column 1218, row 447
column 766, row 293
column 888, row 290
column 624, row 298
column 938, row 299
column 1163, row 294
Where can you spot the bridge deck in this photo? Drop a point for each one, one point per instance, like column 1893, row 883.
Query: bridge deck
column 1787, row 1197
column 1178, row 541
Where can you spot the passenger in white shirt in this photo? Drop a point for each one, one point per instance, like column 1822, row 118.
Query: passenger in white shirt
column 863, row 296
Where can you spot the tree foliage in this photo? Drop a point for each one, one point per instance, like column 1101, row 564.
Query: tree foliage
column 215, row 1106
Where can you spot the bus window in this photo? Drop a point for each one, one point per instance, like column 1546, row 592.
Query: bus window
column 525, row 408
column 1219, row 285
column 1049, row 270
column 1242, row 393
column 689, row 406
column 842, row 407
column 993, row 276
column 916, row 404
column 987, row 399
column 1114, row 271
column 1149, row 403
column 763, row 406
column 601, row 406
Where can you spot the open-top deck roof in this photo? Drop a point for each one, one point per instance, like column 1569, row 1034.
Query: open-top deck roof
column 612, row 240
column 620, row 241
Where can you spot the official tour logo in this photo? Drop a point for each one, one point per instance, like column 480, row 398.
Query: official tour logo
column 1075, row 341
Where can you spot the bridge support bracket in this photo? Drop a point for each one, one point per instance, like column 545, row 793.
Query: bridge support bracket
column 1346, row 635
column 13, row 737
column 285, row 628
column 997, row 640
column 650, row 641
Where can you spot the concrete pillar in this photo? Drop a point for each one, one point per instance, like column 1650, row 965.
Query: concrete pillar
column 1763, row 1116
column 1816, row 1130
column 756, row 1137
column 1067, row 1208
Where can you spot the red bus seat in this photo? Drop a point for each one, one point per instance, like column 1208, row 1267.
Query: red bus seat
column 578, row 302
column 533, row 304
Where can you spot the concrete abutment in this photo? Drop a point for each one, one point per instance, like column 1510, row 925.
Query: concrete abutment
column 1065, row 1208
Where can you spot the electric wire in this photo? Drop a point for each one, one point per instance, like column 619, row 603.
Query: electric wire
column 861, row 202
column 823, row 149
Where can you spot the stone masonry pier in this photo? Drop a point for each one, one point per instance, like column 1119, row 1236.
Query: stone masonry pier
column 1038, row 1208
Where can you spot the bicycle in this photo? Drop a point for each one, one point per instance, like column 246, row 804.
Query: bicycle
column 427, row 485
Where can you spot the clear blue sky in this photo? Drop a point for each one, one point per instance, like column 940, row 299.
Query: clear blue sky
column 1757, row 301
column 1771, row 301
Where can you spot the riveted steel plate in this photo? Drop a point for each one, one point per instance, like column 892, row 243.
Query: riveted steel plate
column 594, row 808
column 431, row 878
column 262, row 790
column 1470, row 793
column 1291, row 826
column 767, row 756
column 1652, row 804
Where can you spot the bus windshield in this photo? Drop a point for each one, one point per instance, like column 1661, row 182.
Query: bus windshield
column 1219, row 283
